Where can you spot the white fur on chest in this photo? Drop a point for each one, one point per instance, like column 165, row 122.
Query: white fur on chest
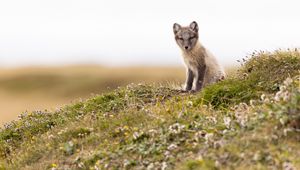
column 195, row 59
column 199, row 57
column 191, row 64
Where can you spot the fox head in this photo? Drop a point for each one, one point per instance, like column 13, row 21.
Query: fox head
column 186, row 37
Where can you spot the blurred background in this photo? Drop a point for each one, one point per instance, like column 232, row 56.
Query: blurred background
column 55, row 52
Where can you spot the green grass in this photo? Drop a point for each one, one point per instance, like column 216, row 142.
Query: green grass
column 249, row 121
column 262, row 72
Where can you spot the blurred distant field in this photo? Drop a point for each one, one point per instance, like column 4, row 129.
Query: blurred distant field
column 39, row 88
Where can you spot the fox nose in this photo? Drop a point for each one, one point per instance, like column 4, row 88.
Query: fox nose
column 186, row 47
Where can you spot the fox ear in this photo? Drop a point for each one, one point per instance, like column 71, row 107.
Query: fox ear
column 176, row 28
column 194, row 26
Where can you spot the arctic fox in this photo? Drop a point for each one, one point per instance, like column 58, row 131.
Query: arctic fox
column 202, row 66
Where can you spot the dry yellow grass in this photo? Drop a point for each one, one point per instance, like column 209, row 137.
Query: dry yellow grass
column 39, row 88
column 12, row 105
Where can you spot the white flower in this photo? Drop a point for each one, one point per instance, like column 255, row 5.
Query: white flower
column 282, row 95
column 167, row 154
column 164, row 166
column 227, row 121
column 176, row 128
column 50, row 136
column 208, row 138
column 288, row 81
column 126, row 163
column 262, row 97
column 172, row 147
column 136, row 135
column 282, row 88
column 286, row 96
column 190, row 103
column 288, row 166
column 277, row 96
column 150, row 166
column 199, row 135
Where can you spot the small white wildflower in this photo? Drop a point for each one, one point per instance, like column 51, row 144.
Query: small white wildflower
column 227, row 121
column 282, row 95
column 219, row 144
column 213, row 119
column 243, row 106
column 274, row 137
column 252, row 103
column 286, row 131
column 243, row 122
column 241, row 113
column 180, row 114
column 288, row 166
column 167, row 153
column 176, row 128
column 150, row 166
column 208, row 138
column 172, row 147
column 200, row 157
column 61, row 132
column 96, row 168
column 257, row 156
column 164, row 166
column 199, row 135
column 286, row 96
column 278, row 96
column 152, row 132
column 136, row 135
column 283, row 120
column 288, row 81
column 217, row 164
column 282, row 88
column 50, row 136
column 106, row 166
column 267, row 100
column 81, row 165
column 190, row 103
column 126, row 163
column 225, row 131
column 262, row 97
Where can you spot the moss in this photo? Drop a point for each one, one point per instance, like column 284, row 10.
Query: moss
column 228, row 92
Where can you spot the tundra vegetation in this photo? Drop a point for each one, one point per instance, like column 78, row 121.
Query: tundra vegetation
column 251, row 120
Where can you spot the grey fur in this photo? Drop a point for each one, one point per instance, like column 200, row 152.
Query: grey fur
column 202, row 67
column 189, row 80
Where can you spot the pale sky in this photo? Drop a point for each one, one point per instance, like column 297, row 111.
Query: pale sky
column 137, row 32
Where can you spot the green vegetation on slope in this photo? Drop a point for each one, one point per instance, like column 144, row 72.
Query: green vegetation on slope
column 262, row 72
column 250, row 120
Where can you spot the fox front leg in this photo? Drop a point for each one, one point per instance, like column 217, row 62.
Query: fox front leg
column 199, row 78
column 189, row 80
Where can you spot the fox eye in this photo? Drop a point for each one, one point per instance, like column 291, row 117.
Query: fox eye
column 180, row 39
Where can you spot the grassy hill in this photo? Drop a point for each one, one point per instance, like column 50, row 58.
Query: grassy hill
column 251, row 120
